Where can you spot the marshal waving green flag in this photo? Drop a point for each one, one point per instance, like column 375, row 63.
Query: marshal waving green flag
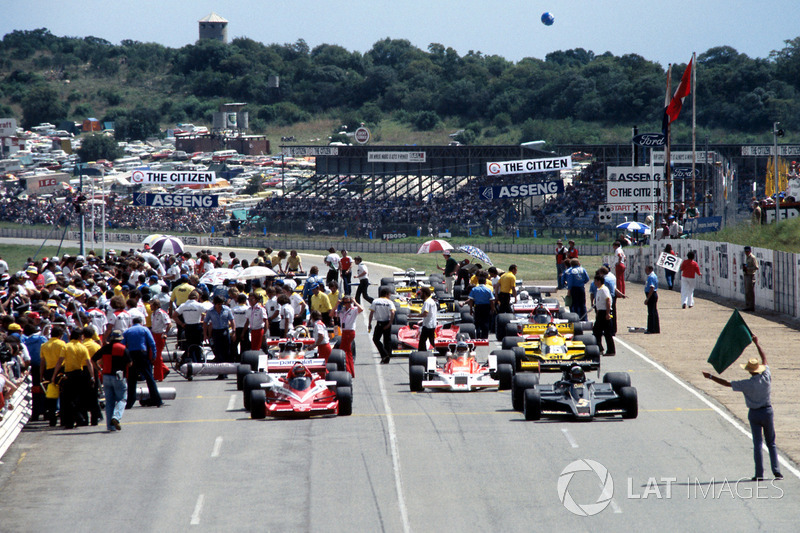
column 731, row 343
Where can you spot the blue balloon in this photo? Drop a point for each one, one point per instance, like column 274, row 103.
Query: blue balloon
column 548, row 18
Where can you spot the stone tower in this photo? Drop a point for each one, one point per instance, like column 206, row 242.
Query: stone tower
column 213, row 27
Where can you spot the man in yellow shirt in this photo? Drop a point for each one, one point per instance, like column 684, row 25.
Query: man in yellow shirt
column 52, row 352
column 322, row 303
column 78, row 383
column 181, row 292
column 333, row 297
column 508, row 289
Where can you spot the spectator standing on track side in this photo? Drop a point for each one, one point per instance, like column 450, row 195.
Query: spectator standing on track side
column 139, row 341
column 241, row 339
column 322, row 341
column 159, row 326
column 383, row 310
column 427, row 330
column 332, row 260
column 481, row 306
column 749, row 269
column 313, row 279
column 619, row 266
column 561, row 256
column 689, row 271
column 575, row 279
column 347, row 317
column 217, row 326
column 286, row 314
column 507, row 289
column 293, row 262
column 602, row 323
column 651, row 300
column 669, row 274
column 52, row 351
column 189, row 316
column 273, row 312
column 321, row 303
column 113, row 361
column 298, row 306
column 449, row 270
column 572, row 251
column 256, row 322
column 345, row 269
column 756, row 392
column 362, row 275
column 74, row 361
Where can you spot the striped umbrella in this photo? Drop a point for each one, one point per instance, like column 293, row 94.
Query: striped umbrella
column 477, row 253
column 218, row 276
column 434, row 246
column 168, row 245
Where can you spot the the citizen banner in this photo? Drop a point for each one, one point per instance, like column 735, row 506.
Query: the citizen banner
column 501, row 192
column 176, row 200
column 139, row 177
column 529, row 166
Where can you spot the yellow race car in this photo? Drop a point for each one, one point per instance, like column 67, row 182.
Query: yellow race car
column 551, row 347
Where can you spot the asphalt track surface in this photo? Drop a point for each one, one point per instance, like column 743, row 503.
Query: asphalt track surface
column 430, row 461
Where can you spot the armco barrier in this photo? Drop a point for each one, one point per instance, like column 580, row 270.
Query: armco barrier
column 15, row 418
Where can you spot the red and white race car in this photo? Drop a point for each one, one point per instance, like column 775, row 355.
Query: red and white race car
column 462, row 372
column 407, row 338
column 302, row 394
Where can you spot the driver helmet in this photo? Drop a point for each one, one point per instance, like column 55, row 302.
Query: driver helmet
column 298, row 371
column 551, row 331
column 462, row 348
column 576, row 374
column 523, row 295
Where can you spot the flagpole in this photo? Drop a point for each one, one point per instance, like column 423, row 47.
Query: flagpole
column 694, row 123
column 667, row 153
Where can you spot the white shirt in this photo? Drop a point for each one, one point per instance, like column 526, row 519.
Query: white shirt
column 347, row 317
column 4, row 268
column 286, row 315
column 298, row 304
column 362, row 272
column 134, row 312
column 320, row 329
column 258, row 315
column 174, row 272
column 191, row 312
column 272, row 307
column 333, row 261
column 120, row 321
column 288, row 282
column 620, row 256
column 429, row 305
column 160, row 321
column 601, row 298
column 98, row 319
column 382, row 309
column 240, row 314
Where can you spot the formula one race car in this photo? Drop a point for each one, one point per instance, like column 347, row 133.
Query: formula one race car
column 551, row 347
column 533, row 323
column 406, row 340
column 575, row 395
column 409, row 281
column 302, row 394
column 461, row 373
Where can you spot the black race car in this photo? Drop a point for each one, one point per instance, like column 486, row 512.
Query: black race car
column 575, row 395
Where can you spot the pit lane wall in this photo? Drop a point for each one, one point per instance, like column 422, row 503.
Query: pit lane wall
column 777, row 281
column 133, row 240
column 15, row 415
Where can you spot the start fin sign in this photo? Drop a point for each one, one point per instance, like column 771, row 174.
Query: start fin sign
column 529, row 166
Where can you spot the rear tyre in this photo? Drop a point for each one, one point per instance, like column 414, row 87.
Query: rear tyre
column 593, row 353
column 630, row 402
column 418, row 359
column 504, row 357
column 241, row 372
column 331, row 367
column 394, row 342
column 342, row 379
column 338, row 358
column 587, row 340
column 532, row 404
column 400, row 320
column 250, row 383
column 467, row 329
column 571, row 317
column 512, row 330
column 519, row 385
column 467, row 318
column 500, row 326
column 505, row 374
column 416, row 375
column 250, row 357
column 618, row 380
column 510, row 342
column 387, row 281
column 396, row 328
column 258, row 404
column 345, row 397
column 519, row 357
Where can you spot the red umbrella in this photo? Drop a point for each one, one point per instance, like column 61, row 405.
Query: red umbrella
column 434, row 246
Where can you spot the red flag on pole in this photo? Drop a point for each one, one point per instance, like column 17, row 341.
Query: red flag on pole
column 672, row 111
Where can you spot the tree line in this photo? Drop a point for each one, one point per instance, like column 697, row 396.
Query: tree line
column 141, row 86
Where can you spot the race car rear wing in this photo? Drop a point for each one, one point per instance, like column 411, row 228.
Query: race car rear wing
column 282, row 366
column 560, row 366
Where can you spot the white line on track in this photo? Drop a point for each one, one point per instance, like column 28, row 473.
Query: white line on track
column 217, row 446
column 198, row 508
column 231, row 403
column 703, row 399
column 401, row 501
column 569, row 437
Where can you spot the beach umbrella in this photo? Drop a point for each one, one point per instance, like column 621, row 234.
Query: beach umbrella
column 255, row 272
column 167, row 245
column 477, row 253
column 218, row 276
column 634, row 226
column 153, row 238
column 152, row 260
column 434, row 246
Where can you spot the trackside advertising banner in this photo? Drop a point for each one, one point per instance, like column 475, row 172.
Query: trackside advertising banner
column 176, row 200
column 635, row 188
column 524, row 190
column 529, row 166
column 139, row 177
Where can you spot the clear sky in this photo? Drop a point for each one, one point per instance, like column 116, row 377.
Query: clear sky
column 661, row 31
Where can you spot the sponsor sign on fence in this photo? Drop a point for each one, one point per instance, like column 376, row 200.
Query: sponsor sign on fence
column 501, row 192
column 529, row 166
column 176, row 200
column 206, row 177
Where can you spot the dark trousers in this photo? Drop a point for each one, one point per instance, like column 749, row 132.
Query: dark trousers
column 504, row 298
column 613, row 315
column 670, row 276
column 602, row 329
column 363, row 285
column 346, row 277
column 578, row 306
column 382, row 338
column 332, row 275
column 194, row 342
column 425, row 335
column 761, row 420
column 221, row 344
column 483, row 318
column 241, row 344
column 142, row 365
column 653, row 325
column 274, row 328
column 50, row 404
column 560, row 268
column 72, row 411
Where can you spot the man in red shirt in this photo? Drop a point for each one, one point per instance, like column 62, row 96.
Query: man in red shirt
column 689, row 270
column 561, row 256
column 345, row 264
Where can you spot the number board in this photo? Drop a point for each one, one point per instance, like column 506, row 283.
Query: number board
column 669, row 261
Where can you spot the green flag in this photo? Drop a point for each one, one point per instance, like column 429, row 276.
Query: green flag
column 731, row 343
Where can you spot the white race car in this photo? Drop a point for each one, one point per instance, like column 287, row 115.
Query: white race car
column 462, row 372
